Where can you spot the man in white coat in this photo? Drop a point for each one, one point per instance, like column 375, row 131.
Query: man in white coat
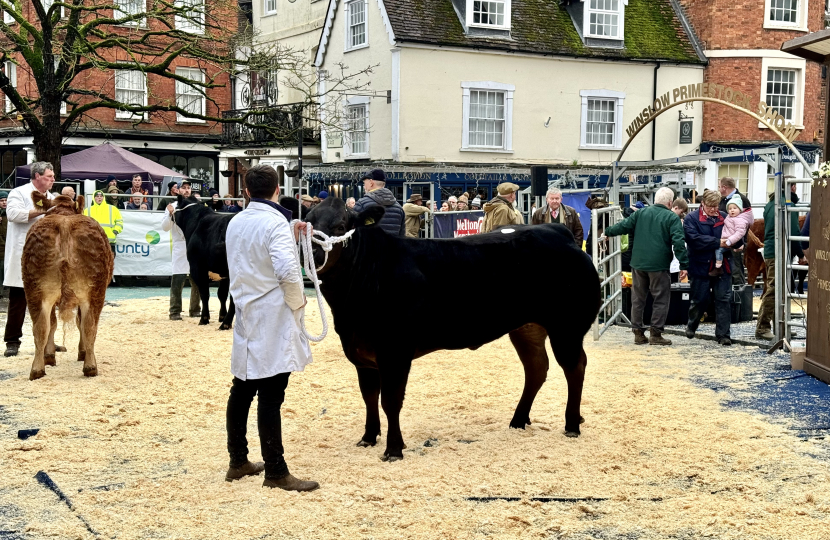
column 22, row 213
column 268, row 341
column 181, row 268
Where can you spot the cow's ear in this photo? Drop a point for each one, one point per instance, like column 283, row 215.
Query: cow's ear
column 79, row 204
column 370, row 217
column 41, row 201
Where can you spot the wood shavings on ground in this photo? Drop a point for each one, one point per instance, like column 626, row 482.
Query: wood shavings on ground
column 140, row 449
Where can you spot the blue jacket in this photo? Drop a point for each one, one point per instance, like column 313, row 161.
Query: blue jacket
column 393, row 220
column 702, row 239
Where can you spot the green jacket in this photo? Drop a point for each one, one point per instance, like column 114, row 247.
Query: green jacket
column 769, row 230
column 658, row 229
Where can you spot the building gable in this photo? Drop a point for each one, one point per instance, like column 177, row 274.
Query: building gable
column 330, row 18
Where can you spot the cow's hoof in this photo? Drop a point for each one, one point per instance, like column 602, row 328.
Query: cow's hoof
column 365, row 444
column 90, row 371
column 203, row 321
column 81, row 356
column 36, row 374
column 519, row 424
column 581, row 420
column 60, row 348
column 390, row 458
column 572, row 434
column 49, row 360
column 224, row 326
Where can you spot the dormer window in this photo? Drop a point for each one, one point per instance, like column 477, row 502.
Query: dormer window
column 489, row 14
column 604, row 19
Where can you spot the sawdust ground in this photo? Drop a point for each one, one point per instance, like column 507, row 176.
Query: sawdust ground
column 140, row 449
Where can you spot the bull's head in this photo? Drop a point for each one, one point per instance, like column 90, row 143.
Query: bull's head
column 333, row 218
column 62, row 205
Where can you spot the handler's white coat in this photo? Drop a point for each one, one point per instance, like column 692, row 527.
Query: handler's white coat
column 19, row 203
column 180, row 264
column 267, row 336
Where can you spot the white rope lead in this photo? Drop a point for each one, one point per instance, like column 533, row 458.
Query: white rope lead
column 326, row 242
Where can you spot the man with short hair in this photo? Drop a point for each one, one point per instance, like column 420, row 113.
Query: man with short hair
column 703, row 229
column 350, row 202
column 268, row 340
column 376, row 194
column 181, row 266
column 69, row 191
column 134, row 202
column 107, row 216
column 453, row 203
column 22, row 213
column 413, row 209
column 556, row 212
column 499, row 210
column 136, row 188
column 680, row 207
column 658, row 231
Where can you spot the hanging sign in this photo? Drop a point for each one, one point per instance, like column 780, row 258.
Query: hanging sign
column 686, row 131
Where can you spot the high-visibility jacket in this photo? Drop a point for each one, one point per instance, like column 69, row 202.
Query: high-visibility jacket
column 108, row 216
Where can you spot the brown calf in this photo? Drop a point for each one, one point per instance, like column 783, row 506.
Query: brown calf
column 67, row 262
column 753, row 259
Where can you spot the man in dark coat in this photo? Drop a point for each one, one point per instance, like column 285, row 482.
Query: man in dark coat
column 556, row 212
column 376, row 194
column 703, row 229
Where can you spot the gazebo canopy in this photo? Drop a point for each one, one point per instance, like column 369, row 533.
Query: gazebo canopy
column 103, row 161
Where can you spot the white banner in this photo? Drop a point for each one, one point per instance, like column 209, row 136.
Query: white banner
column 143, row 248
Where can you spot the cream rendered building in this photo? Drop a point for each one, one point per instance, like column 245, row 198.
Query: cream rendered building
column 507, row 82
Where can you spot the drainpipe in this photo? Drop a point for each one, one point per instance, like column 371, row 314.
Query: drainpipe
column 654, row 122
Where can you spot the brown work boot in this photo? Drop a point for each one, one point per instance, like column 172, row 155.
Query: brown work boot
column 656, row 338
column 639, row 336
column 249, row 469
column 289, row 483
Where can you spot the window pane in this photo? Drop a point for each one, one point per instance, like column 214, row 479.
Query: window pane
column 600, row 122
column 785, row 11
column 603, row 18
column 357, row 129
column 486, row 127
column 357, row 23
column 489, row 13
column 781, row 91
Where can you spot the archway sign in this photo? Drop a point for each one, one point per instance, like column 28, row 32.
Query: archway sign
column 718, row 93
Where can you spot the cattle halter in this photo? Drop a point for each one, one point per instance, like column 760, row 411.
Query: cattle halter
column 326, row 242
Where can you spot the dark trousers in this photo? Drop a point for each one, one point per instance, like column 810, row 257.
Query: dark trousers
column 659, row 285
column 738, row 268
column 16, row 315
column 271, row 394
column 721, row 287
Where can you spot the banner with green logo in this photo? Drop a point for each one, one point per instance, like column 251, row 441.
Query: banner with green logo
column 143, row 248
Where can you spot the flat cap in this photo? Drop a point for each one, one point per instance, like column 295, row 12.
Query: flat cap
column 307, row 198
column 507, row 188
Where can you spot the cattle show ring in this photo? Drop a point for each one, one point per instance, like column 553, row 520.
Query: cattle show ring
column 616, row 441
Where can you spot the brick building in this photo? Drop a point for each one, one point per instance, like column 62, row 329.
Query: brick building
column 742, row 40
column 184, row 144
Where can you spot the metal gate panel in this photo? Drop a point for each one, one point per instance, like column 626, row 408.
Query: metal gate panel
column 607, row 259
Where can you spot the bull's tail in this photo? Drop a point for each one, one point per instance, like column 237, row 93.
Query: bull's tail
column 754, row 238
column 68, row 303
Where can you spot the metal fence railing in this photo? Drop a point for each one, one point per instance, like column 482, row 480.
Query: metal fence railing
column 607, row 258
column 784, row 266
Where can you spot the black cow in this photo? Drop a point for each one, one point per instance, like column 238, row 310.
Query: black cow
column 204, row 230
column 539, row 283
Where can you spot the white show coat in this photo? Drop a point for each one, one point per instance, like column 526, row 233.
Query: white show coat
column 180, row 264
column 265, row 280
column 19, row 203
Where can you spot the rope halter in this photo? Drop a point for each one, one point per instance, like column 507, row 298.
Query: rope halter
column 326, row 242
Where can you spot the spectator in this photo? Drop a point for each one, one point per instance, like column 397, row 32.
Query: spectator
column 596, row 203
column 500, row 211
column 453, row 202
column 230, row 206
column 680, row 207
column 703, row 235
column 143, row 206
column 445, row 207
column 462, row 203
column 322, row 195
column 307, row 201
column 107, row 215
column 801, row 275
column 658, row 231
column 216, row 203
column 112, row 188
column 376, row 194
column 173, row 191
column 181, row 266
column 556, row 212
column 136, row 188
column 627, row 245
column 69, row 191
column 414, row 210
column 350, row 203
column 793, row 195
column 735, row 225
column 4, row 225
column 727, row 190
column 766, row 313
column 135, row 202
column 21, row 213
column 476, row 203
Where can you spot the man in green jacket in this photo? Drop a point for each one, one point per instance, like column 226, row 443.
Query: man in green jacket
column 658, row 231
column 766, row 313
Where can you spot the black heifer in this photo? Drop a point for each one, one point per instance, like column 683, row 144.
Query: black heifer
column 204, row 231
column 539, row 285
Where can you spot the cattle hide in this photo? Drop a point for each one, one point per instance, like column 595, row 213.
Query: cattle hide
column 754, row 259
column 384, row 292
column 298, row 211
column 204, row 231
column 67, row 262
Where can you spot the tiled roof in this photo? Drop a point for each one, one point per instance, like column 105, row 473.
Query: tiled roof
column 653, row 30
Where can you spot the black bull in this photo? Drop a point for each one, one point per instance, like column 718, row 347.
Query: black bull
column 384, row 293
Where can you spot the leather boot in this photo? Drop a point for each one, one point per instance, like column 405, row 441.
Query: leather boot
column 12, row 349
column 249, row 469
column 289, row 483
column 656, row 338
column 639, row 336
